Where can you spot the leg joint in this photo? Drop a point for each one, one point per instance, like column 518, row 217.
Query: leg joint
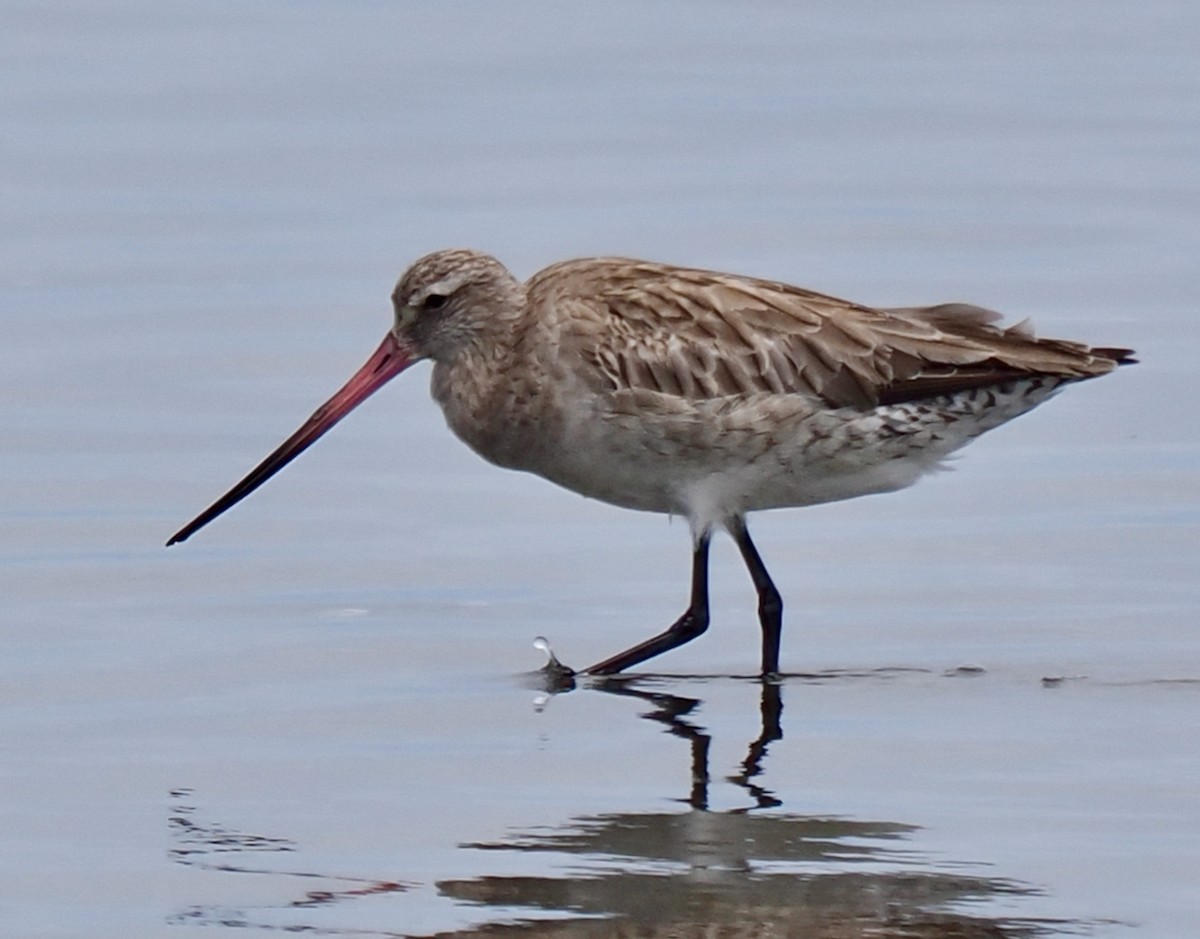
column 770, row 603
column 691, row 624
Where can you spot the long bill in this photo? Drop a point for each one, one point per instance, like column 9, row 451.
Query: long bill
column 389, row 360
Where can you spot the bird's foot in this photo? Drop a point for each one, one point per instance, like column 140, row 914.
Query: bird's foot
column 558, row 677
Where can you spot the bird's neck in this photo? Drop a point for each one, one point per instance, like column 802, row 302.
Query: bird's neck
column 488, row 392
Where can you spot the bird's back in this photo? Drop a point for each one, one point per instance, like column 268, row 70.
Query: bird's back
column 694, row 391
column 700, row 334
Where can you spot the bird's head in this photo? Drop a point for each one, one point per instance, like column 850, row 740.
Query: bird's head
column 447, row 300
column 443, row 304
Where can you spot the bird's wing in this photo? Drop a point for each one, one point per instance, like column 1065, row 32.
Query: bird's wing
column 700, row 334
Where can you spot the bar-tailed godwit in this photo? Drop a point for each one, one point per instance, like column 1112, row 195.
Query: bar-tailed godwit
column 696, row 393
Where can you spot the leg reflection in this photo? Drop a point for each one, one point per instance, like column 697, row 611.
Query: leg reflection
column 672, row 711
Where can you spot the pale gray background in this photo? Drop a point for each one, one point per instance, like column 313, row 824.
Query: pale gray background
column 204, row 208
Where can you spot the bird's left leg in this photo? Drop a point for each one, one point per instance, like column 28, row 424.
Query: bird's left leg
column 770, row 604
column 690, row 625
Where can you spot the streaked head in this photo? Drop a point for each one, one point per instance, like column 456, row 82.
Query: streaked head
column 449, row 298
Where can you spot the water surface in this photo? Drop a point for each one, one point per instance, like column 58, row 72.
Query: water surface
column 320, row 715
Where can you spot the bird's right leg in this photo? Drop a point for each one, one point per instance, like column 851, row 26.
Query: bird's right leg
column 690, row 625
column 770, row 604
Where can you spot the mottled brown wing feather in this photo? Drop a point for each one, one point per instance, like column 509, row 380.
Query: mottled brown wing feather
column 702, row 334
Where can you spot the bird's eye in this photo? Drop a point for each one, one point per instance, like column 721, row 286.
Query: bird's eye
column 435, row 301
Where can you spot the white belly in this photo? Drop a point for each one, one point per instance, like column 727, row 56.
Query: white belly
column 712, row 460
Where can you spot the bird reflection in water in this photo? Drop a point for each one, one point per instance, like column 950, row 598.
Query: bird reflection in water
column 750, row 871
column 733, row 873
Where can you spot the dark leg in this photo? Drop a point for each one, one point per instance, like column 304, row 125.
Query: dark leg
column 770, row 604
column 690, row 625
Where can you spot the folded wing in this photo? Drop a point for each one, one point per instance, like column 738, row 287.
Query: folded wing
column 700, row 334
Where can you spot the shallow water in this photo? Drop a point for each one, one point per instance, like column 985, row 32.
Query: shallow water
column 323, row 715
